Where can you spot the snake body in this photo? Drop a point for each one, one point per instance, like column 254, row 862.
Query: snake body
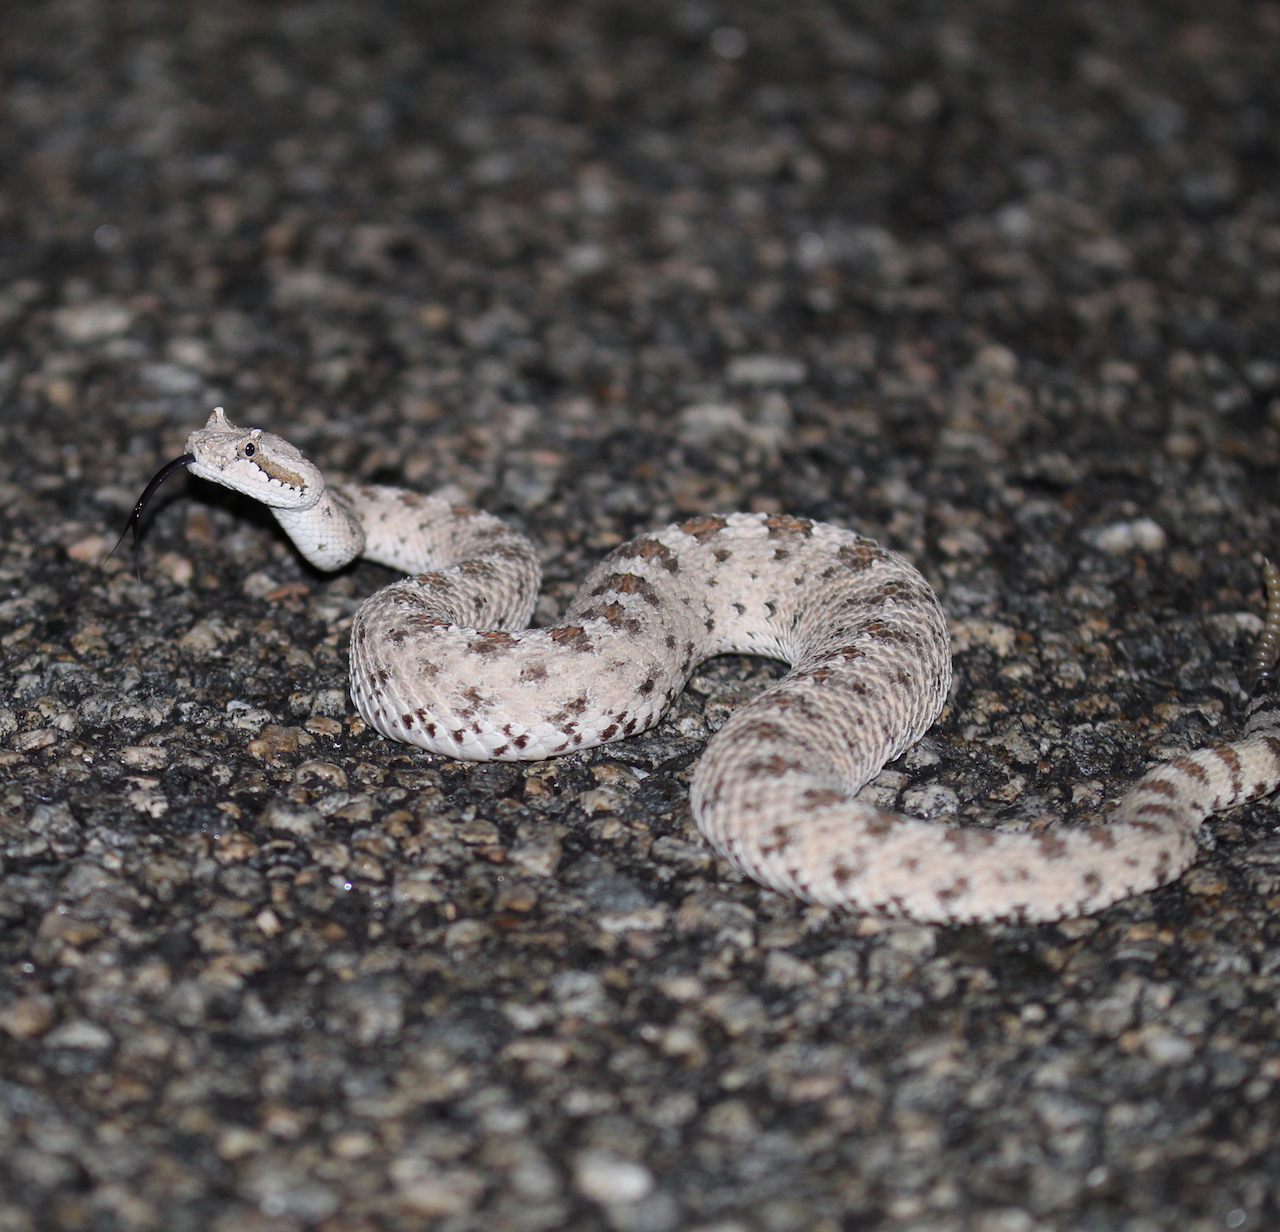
column 442, row 660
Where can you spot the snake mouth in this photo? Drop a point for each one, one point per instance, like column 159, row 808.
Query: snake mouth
column 153, row 487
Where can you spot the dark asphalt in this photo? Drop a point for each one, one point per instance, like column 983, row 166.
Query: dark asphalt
column 998, row 283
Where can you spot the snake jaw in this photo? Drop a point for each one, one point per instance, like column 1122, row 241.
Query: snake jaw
column 254, row 463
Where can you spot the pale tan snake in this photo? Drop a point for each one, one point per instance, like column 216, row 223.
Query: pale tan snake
column 443, row 660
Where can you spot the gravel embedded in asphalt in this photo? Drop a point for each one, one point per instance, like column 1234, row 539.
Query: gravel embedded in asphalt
column 996, row 283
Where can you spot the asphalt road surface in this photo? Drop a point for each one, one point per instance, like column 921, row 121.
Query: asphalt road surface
column 997, row 283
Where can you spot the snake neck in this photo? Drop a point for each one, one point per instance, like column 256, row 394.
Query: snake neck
column 328, row 534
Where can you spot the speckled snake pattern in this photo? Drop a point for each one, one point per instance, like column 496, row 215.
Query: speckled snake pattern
column 443, row 660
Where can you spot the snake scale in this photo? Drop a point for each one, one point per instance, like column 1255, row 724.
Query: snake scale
column 443, row 660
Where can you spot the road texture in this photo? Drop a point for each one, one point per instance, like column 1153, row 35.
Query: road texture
column 995, row 282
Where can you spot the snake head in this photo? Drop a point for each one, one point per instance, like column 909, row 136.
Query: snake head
column 255, row 463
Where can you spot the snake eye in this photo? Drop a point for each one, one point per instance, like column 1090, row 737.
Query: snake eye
column 250, row 449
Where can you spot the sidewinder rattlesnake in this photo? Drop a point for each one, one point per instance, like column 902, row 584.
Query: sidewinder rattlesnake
column 443, row 660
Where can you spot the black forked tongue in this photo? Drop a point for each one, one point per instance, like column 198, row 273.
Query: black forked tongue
column 135, row 518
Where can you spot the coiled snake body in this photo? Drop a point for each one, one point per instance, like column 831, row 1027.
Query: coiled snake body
column 442, row 660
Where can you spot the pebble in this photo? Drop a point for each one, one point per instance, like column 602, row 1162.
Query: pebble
column 608, row 1179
